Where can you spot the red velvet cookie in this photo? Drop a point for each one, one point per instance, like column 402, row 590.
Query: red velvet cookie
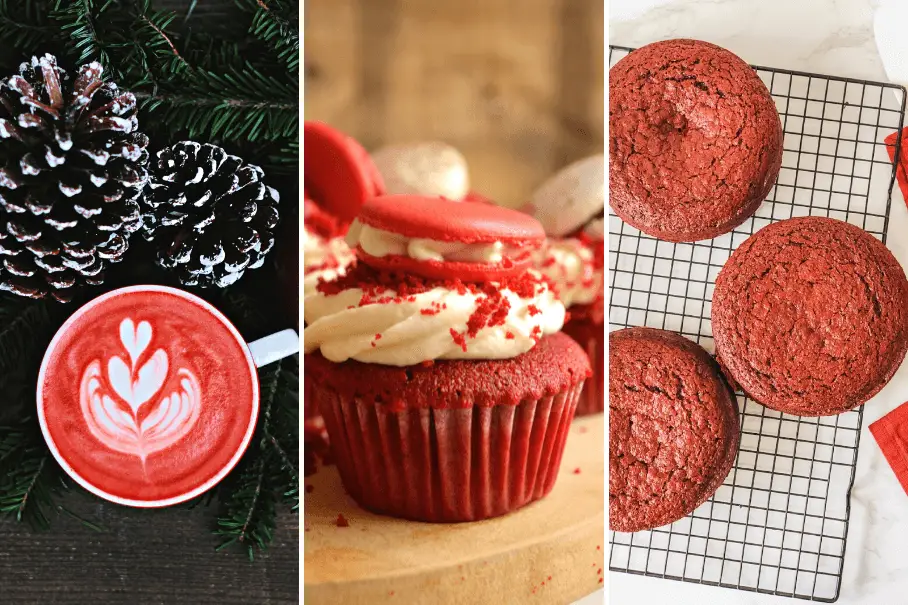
column 695, row 142
column 810, row 316
column 338, row 173
column 461, row 233
column 673, row 428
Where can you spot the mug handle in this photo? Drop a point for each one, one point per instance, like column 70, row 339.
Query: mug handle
column 274, row 347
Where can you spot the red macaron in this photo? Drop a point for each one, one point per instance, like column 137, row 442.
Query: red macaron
column 448, row 222
column 338, row 173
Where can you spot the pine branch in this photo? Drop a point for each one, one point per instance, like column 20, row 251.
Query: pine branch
column 26, row 327
column 152, row 54
column 285, row 160
column 240, row 105
column 25, row 25
column 282, row 434
column 79, row 19
column 30, row 480
column 271, row 25
column 270, row 468
column 248, row 513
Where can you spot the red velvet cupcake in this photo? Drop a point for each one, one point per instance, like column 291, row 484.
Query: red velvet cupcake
column 338, row 177
column 585, row 322
column 570, row 207
column 436, row 362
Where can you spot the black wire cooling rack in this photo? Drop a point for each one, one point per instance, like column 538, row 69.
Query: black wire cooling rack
column 779, row 523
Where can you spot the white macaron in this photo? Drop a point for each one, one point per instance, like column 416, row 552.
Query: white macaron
column 429, row 168
column 571, row 198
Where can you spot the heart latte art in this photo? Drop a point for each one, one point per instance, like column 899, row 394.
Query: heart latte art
column 124, row 402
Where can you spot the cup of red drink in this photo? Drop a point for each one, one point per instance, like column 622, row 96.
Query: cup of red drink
column 148, row 396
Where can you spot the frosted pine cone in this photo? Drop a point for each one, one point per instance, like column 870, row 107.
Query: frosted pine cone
column 209, row 213
column 72, row 167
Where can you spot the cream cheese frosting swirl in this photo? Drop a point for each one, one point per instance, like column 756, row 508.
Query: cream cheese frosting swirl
column 571, row 267
column 403, row 327
column 379, row 243
column 323, row 259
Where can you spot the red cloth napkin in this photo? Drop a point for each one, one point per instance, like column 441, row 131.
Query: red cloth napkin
column 902, row 172
column 891, row 434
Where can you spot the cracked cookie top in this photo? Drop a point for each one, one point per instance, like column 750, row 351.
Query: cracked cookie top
column 695, row 142
column 810, row 316
column 673, row 428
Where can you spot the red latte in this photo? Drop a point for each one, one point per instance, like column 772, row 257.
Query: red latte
column 147, row 396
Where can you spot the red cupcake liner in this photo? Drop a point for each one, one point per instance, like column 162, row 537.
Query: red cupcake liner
column 591, row 337
column 309, row 409
column 447, row 465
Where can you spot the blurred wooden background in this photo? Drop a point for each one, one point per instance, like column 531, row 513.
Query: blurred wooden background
column 516, row 85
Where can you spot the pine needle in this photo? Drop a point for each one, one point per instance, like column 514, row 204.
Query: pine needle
column 30, row 480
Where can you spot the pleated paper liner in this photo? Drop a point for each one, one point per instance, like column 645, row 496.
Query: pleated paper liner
column 447, row 465
column 591, row 337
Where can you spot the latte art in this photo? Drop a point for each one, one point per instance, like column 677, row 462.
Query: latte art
column 126, row 409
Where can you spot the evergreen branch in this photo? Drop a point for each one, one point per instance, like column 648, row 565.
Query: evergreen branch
column 160, row 32
column 29, row 479
column 285, row 160
column 209, row 116
column 78, row 17
column 82, row 520
column 154, row 25
column 276, row 31
column 26, row 330
column 282, row 434
column 248, row 514
column 284, row 457
column 25, row 25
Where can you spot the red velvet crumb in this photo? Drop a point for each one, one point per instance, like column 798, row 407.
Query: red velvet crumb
column 577, row 471
column 536, row 333
column 459, row 339
column 392, row 287
column 491, row 310
column 533, row 310
column 509, row 335
column 342, row 521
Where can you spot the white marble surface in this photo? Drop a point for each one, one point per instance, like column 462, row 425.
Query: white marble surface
column 823, row 36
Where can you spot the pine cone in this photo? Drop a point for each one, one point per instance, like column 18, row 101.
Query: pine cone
column 72, row 167
column 210, row 214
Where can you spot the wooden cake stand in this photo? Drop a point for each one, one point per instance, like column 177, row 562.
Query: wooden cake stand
column 548, row 552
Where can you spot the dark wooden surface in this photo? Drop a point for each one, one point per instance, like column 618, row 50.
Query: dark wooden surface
column 142, row 557
column 153, row 557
